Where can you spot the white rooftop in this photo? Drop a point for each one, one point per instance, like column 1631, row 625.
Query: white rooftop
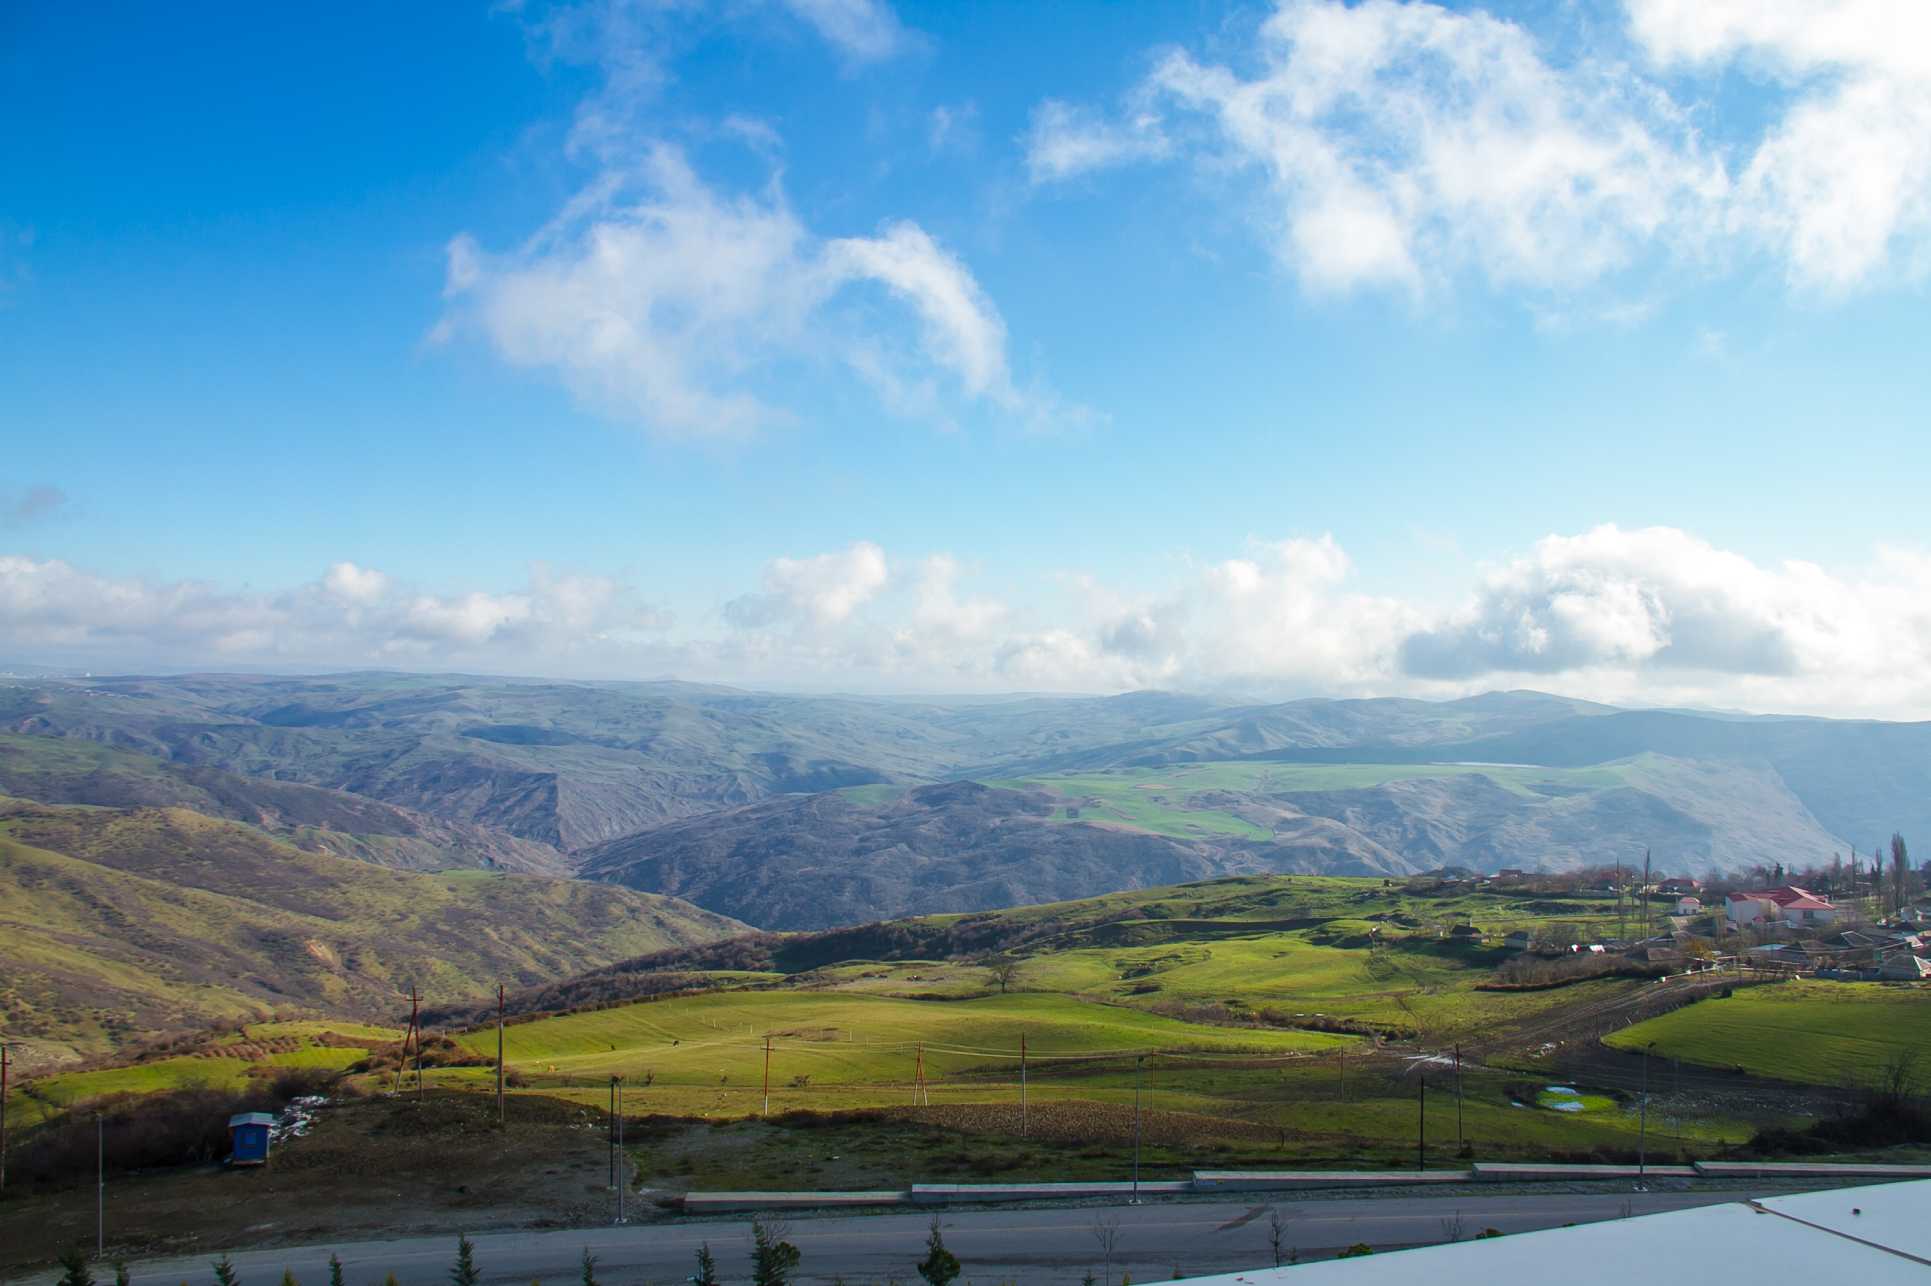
column 1874, row 1236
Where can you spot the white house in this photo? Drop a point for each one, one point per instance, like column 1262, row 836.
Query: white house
column 1798, row 908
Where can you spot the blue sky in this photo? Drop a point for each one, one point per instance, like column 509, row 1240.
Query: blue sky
column 820, row 343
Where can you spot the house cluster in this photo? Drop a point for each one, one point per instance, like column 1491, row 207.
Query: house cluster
column 1787, row 905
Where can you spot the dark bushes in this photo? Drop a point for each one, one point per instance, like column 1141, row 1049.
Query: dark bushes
column 142, row 1132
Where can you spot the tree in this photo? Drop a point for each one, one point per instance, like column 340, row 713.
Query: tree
column 1004, row 970
column 706, row 1274
column 940, row 1265
column 335, row 1270
column 120, row 1272
column 74, row 1269
column 225, row 1271
column 1277, row 1236
column 1900, row 872
column 773, row 1259
column 589, row 1277
column 288, row 1278
column 464, row 1272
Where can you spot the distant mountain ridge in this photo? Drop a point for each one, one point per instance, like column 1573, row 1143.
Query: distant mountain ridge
column 809, row 810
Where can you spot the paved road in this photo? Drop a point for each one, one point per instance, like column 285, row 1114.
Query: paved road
column 1036, row 1247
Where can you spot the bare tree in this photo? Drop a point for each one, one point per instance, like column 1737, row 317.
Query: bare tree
column 1106, row 1232
column 1004, row 969
column 1277, row 1238
column 1454, row 1229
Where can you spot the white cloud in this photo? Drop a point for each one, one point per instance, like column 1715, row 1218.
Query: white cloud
column 1405, row 144
column 1065, row 140
column 351, row 615
column 822, row 590
column 863, row 30
column 1648, row 616
column 655, row 298
column 1841, row 184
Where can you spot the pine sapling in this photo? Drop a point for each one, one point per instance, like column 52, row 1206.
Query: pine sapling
column 464, row 1271
column 706, row 1274
column 74, row 1269
column 940, row 1265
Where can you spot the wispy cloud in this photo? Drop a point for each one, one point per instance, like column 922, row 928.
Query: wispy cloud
column 1408, row 145
column 658, row 299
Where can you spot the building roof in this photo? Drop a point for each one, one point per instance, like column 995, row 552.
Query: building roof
column 1875, row 1236
column 1787, row 896
column 251, row 1118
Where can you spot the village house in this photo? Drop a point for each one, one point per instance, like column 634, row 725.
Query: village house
column 1680, row 885
column 1689, row 906
column 1788, row 904
column 1902, row 966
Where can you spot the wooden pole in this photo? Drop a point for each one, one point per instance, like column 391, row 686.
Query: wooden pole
column 1022, row 1090
column 4, row 1064
column 767, row 1075
column 100, row 1187
column 1421, row 1124
column 415, row 1025
column 1460, row 1143
column 621, row 1176
column 501, row 1119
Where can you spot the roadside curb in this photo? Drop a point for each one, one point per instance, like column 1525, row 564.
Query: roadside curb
column 1229, row 1181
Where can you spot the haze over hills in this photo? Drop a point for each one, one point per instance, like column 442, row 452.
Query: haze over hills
column 809, row 811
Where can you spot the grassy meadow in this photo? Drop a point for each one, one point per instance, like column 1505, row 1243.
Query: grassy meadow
column 1823, row 1033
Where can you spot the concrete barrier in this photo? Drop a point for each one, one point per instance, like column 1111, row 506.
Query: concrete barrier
column 1277, row 1180
column 1512, row 1171
column 1808, row 1170
column 723, row 1202
column 940, row 1193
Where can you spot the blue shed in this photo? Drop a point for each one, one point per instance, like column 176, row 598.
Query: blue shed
column 248, row 1138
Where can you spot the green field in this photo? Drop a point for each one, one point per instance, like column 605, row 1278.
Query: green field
column 1823, row 1033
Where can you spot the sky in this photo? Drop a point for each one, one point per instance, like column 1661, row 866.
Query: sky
column 1270, row 350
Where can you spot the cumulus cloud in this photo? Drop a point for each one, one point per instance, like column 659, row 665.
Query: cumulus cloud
column 822, row 590
column 656, row 298
column 1653, row 616
column 350, row 615
column 1405, row 144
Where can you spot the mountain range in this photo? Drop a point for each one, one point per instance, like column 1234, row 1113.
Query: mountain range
column 812, row 811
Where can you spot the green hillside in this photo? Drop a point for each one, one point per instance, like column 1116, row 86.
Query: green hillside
column 120, row 923
column 1824, row 1033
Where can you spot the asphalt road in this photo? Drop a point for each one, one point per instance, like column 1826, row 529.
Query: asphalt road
column 1032, row 1246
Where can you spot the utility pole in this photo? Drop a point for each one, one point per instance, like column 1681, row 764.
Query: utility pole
column 100, row 1187
column 4, row 1065
column 767, row 1074
column 1421, row 1123
column 618, row 1083
column 1647, row 913
column 1139, row 1076
column 1022, row 1090
column 1622, row 925
column 1341, row 1060
column 501, row 1119
column 1460, row 1143
column 1642, row 1127
column 610, row 1132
